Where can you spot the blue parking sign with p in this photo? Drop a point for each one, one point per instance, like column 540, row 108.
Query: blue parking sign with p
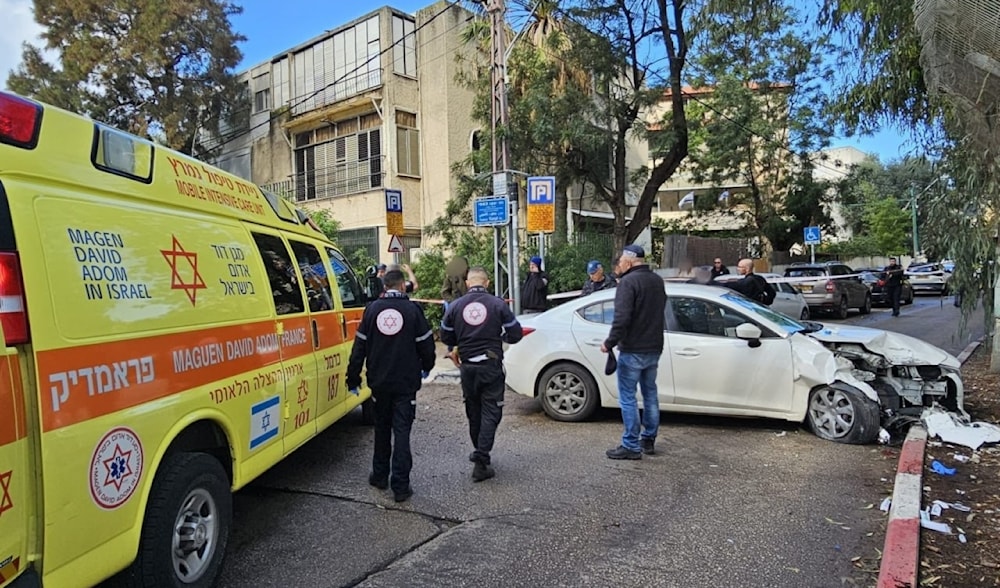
column 541, row 190
column 393, row 201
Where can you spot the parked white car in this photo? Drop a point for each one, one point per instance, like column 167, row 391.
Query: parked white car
column 727, row 355
column 929, row 277
column 787, row 300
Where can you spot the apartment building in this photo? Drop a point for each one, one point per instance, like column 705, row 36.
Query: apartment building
column 368, row 106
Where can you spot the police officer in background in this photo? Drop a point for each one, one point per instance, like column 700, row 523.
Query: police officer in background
column 479, row 323
column 396, row 342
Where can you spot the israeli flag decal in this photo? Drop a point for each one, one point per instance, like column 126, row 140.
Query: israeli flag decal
column 264, row 421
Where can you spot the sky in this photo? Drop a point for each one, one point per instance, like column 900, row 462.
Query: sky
column 272, row 26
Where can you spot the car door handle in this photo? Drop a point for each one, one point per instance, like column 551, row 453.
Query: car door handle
column 594, row 342
column 687, row 352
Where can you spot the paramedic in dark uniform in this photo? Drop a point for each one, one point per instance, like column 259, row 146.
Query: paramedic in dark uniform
column 396, row 342
column 478, row 324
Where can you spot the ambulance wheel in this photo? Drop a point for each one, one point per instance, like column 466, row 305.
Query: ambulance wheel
column 368, row 412
column 187, row 524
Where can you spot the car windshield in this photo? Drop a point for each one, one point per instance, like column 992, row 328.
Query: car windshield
column 787, row 323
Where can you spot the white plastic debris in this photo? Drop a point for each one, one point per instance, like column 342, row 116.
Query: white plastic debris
column 940, row 504
column 884, row 437
column 961, row 458
column 927, row 523
column 886, row 503
column 961, row 537
column 952, row 428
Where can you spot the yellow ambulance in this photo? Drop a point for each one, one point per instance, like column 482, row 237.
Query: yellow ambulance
column 169, row 333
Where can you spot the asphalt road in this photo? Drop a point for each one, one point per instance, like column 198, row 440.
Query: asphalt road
column 725, row 502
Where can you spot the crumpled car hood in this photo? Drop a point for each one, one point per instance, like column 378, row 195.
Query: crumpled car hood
column 895, row 347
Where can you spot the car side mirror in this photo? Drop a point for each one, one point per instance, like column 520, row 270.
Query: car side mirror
column 750, row 333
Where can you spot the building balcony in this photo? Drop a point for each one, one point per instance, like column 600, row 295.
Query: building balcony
column 340, row 179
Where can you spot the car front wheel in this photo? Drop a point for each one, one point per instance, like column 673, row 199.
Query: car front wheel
column 568, row 392
column 844, row 415
column 186, row 527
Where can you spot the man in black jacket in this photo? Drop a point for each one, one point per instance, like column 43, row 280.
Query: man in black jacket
column 597, row 280
column 637, row 330
column 478, row 324
column 751, row 285
column 894, row 283
column 396, row 342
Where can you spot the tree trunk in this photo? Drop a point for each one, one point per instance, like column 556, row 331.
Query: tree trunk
column 562, row 207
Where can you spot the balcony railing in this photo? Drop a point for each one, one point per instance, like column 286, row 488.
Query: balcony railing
column 332, row 181
column 338, row 90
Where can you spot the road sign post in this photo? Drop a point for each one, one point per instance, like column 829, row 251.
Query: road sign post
column 394, row 221
column 812, row 236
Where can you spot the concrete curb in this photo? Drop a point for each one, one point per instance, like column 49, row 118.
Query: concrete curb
column 901, row 553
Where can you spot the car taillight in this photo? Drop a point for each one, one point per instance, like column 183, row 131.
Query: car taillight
column 13, row 313
column 527, row 330
column 19, row 121
column 830, row 286
column 881, row 282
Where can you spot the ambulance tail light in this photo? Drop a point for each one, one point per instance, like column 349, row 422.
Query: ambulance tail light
column 20, row 121
column 13, row 312
column 527, row 330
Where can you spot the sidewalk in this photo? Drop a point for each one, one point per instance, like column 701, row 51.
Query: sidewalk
column 444, row 371
column 901, row 554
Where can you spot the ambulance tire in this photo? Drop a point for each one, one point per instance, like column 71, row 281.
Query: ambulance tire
column 368, row 412
column 183, row 479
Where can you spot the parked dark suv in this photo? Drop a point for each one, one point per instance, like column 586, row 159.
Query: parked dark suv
column 835, row 288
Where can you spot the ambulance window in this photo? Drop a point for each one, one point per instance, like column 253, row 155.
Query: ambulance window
column 351, row 293
column 122, row 154
column 314, row 276
column 281, row 273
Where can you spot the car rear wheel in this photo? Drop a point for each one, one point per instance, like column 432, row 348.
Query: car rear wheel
column 568, row 392
column 866, row 308
column 841, row 310
column 909, row 297
column 805, row 314
column 844, row 415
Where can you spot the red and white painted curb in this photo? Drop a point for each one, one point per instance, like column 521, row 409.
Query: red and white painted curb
column 901, row 555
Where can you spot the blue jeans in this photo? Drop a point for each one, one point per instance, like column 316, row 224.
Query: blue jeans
column 638, row 368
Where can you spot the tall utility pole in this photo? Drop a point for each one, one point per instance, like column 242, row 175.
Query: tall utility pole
column 913, row 211
column 505, row 267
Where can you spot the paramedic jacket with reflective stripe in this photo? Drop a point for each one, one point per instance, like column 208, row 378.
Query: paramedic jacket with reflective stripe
column 475, row 338
column 394, row 359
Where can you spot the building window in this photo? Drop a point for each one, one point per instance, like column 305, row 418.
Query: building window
column 404, row 46
column 262, row 93
column 407, row 144
column 351, row 241
column 345, row 158
column 262, row 100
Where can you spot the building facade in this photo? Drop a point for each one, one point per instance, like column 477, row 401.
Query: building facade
column 368, row 106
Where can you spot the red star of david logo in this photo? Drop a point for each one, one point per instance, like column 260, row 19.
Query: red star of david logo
column 6, row 503
column 475, row 314
column 390, row 321
column 303, row 393
column 118, row 467
column 173, row 257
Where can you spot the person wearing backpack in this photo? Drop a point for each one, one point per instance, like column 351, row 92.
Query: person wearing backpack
column 751, row 285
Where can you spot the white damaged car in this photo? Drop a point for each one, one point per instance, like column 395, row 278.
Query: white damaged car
column 727, row 355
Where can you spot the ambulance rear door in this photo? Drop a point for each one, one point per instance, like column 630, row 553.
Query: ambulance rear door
column 16, row 476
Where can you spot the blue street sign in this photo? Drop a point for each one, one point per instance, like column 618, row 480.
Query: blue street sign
column 541, row 190
column 491, row 211
column 393, row 201
column 813, row 236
